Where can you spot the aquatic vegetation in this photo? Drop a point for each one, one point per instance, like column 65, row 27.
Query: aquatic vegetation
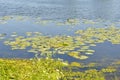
column 82, row 57
column 14, row 34
column 77, row 46
column 20, row 18
column 116, row 62
column 2, row 36
column 108, row 70
column 46, row 45
column 85, row 21
column 5, row 18
column 75, row 64
column 74, row 54
column 72, row 21
column 92, row 45
column 99, row 35
column 42, row 67
column 89, row 53
column 69, row 21
column 84, row 47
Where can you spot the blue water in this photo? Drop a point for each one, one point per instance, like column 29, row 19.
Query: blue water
column 62, row 9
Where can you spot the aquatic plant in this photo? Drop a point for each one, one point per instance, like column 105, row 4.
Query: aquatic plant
column 46, row 45
column 99, row 35
column 73, row 46
column 2, row 36
column 85, row 21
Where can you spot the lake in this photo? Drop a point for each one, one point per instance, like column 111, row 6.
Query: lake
column 83, row 31
column 59, row 17
column 62, row 9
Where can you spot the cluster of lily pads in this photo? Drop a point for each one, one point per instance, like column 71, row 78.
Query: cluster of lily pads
column 2, row 36
column 99, row 35
column 46, row 45
column 4, row 19
column 77, row 46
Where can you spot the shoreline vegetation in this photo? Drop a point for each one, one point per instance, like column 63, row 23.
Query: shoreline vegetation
column 51, row 69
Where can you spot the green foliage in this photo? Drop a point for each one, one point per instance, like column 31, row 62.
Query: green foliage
column 42, row 69
column 92, row 74
column 51, row 69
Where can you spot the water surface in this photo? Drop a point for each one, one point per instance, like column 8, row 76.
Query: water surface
column 103, row 13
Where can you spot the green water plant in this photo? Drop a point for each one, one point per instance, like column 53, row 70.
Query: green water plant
column 100, row 35
column 46, row 45
column 2, row 36
column 73, row 46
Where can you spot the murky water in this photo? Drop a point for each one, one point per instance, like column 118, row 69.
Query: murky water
column 103, row 12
